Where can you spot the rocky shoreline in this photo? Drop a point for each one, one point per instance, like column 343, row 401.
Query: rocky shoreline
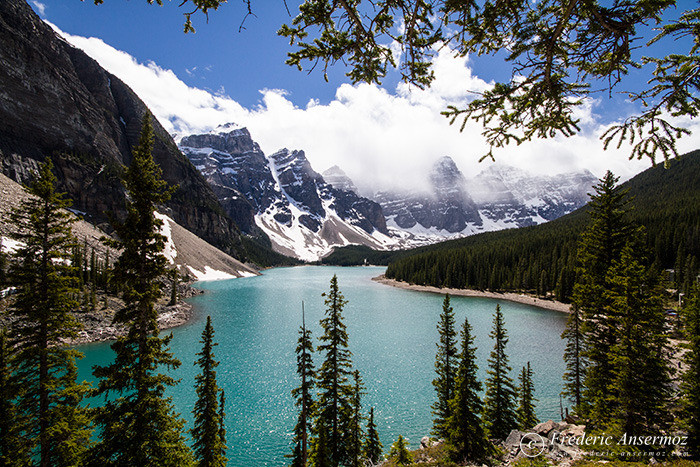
column 509, row 296
column 98, row 326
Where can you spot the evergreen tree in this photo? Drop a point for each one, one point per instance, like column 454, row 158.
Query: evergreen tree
column 601, row 244
column 208, row 446
column 373, row 447
column 57, row 428
column 303, row 395
column 138, row 425
column 13, row 446
column 355, row 429
column 334, row 405
column 691, row 378
column 467, row 439
column 446, row 362
column 499, row 411
column 526, row 407
column 399, row 452
column 573, row 356
column 639, row 390
column 222, row 421
column 174, row 279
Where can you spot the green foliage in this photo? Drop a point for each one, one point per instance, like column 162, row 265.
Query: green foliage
column 138, row 425
column 55, row 427
column 207, row 443
column 690, row 385
column 466, row 437
column 640, row 390
column 600, row 247
column 372, row 449
column 446, row 363
column 303, row 396
column 264, row 256
column 556, row 52
column 526, row 400
column 499, row 401
column 13, row 446
column 574, row 357
column 334, row 404
column 355, row 434
column 399, row 452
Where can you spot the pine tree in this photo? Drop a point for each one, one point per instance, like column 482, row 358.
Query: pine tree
column 399, row 452
column 334, row 405
column 601, row 244
column 13, row 446
column 499, row 410
column 303, row 395
column 639, row 390
column 57, row 427
column 355, row 429
column 174, row 279
column 690, row 385
column 573, row 356
column 209, row 449
column 526, row 407
column 138, row 425
column 446, row 367
column 467, row 439
column 372, row 449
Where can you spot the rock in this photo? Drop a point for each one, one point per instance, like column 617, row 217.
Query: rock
column 424, row 442
column 545, row 427
column 513, row 439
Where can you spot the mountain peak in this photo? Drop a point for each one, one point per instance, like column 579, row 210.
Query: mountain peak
column 337, row 178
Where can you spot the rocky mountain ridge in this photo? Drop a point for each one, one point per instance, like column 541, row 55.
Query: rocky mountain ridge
column 56, row 101
column 499, row 197
column 289, row 201
column 306, row 214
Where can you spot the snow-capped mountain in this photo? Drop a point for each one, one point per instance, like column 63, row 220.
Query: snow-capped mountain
column 305, row 214
column 291, row 203
column 497, row 198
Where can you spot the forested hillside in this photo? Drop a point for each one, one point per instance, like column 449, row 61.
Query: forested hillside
column 541, row 259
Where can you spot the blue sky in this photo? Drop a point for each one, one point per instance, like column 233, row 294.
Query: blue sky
column 378, row 135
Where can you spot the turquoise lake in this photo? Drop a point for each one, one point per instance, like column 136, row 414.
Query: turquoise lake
column 392, row 334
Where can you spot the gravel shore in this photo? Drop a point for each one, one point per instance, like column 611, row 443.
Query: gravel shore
column 511, row 297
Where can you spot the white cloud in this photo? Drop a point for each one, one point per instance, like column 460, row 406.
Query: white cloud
column 40, row 7
column 376, row 136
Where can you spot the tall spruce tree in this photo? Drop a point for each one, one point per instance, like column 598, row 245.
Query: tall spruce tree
column 446, row 362
column 574, row 357
column 303, row 395
column 526, row 399
column 372, row 449
column 639, row 391
column 57, row 426
column 356, row 434
column 334, row 405
column 209, row 448
column 138, row 425
column 601, row 244
column 13, row 445
column 467, row 440
column 399, row 452
column 499, row 401
column 690, row 385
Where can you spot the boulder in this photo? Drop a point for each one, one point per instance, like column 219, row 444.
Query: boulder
column 513, row 439
column 545, row 427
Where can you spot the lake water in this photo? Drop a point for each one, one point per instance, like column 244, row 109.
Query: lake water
column 392, row 334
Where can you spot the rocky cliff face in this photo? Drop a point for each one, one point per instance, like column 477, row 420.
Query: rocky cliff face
column 56, row 101
column 301, row 213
